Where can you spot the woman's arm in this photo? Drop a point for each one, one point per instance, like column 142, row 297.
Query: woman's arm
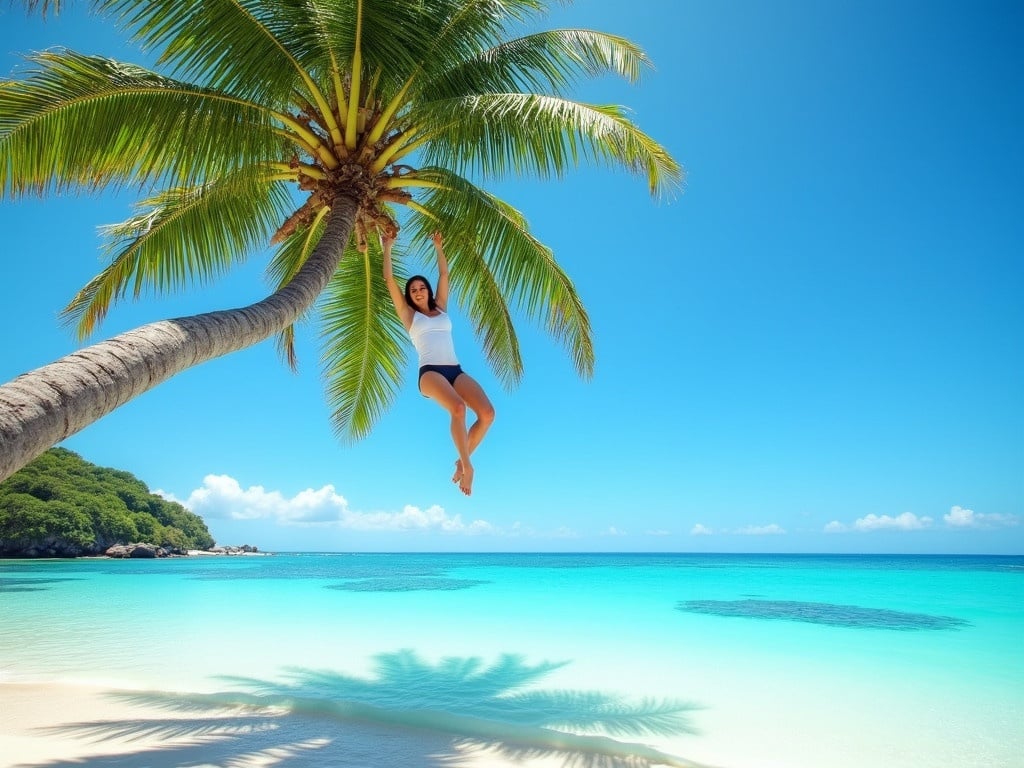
column 403, row 310
column 441, row 294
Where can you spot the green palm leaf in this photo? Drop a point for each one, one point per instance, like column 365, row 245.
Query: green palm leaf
column 480, row 296
column 294, row 251
column 45, row 6
column 74, row 122
column 364, row 344
column 545, row 61
column 396, row 37
column 266, row 41
column 183, row 236
column 287, row 261
column 446, row 34
column 522, row 134
column 278, row 46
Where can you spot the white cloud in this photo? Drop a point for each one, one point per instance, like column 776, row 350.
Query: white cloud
column 518, row 529
column 700, row 530
column 659, row 532
column 413, row 518
column 908, row 521
column 613, row 531
column 959, row 517
column 223, row 497
column 761, row 530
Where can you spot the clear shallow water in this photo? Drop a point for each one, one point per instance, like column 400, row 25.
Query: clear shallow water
column 741, row 660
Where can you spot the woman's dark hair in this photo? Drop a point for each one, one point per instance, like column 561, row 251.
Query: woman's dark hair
column 431, row 304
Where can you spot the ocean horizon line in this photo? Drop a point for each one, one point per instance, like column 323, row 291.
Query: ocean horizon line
column 625, row 553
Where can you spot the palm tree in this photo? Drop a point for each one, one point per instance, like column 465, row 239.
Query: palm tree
column 310, row 125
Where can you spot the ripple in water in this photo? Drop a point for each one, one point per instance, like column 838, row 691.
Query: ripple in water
column 407, row 584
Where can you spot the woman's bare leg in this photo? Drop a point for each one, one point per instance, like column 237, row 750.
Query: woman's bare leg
column 436, row 387
column 473, row 395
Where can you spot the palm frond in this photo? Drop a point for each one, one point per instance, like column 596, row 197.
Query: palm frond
column 45, row 6
column 495, row 258
column 549, row 61
column 521, row 134
column 266, row 41
column 364, row 344
column 183, row 236
column 463, row 28
column 421, row 41
column 88, row 122
column 393, row 40
column 287, row 261
column 480, row 296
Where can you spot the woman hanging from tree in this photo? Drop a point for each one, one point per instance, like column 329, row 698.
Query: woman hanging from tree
column 441, row 378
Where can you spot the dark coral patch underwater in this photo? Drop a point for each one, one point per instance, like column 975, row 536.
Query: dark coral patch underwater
column 853, row 616
column 26, row 585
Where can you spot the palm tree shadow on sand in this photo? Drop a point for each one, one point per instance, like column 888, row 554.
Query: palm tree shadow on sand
column 411, row 714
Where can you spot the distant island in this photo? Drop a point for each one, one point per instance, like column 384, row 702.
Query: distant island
column 63, row 506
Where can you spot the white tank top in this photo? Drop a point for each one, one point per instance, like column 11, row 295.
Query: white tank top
column 432, row 337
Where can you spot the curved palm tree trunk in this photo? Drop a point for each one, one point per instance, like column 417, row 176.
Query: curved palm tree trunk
column 42, row 407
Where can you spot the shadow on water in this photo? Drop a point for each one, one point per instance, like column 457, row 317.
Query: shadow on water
column 830, row 614
column 410, row 713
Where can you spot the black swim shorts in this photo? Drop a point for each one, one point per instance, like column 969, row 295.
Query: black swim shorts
column 450, row 372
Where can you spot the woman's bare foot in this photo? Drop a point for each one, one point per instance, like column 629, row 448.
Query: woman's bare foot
column 458, row 471
column 466, row 480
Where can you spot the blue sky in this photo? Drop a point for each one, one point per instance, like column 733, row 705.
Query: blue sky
column 816, row 347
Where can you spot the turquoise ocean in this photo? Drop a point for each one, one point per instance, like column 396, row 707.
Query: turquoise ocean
column 748, row 661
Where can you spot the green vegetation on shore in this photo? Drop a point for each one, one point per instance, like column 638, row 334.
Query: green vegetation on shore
column 61, row 505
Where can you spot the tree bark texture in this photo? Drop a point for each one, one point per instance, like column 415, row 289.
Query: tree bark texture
column 42, row 407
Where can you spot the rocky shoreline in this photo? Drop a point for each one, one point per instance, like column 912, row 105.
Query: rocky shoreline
column 137, row 550
column 245, row 549
column 144, row 550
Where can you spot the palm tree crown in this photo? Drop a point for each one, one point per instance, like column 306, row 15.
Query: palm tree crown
column 267, row 113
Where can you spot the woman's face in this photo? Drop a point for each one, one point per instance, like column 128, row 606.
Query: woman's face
column 419, row 294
